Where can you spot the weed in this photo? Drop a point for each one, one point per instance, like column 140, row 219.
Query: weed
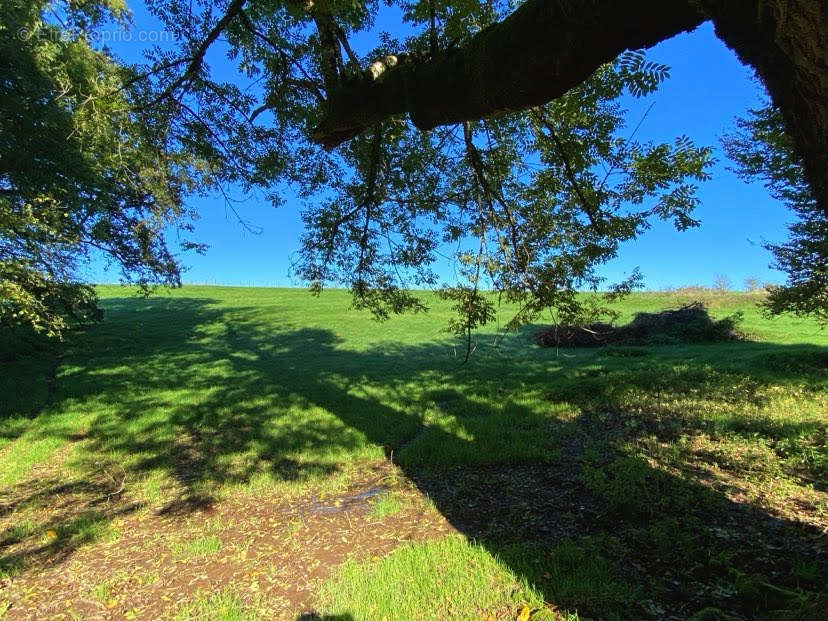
column 11, row 566
column 102, row 592
column 86, row 528
column 147, row 578
column 806, row 571
column 18, row 532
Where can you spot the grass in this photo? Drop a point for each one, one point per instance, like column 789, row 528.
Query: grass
column 204, row 546
column 447, row 579
column 86, row 528
column 226, row 605
column 17, row 532
column 22, row 457
column 385, row 505
column 573, row 574
column 206, row 394
column 103, row 591
column 10, row 567
column 147, row 578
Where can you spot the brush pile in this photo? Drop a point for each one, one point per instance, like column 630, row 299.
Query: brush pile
column 689, row 324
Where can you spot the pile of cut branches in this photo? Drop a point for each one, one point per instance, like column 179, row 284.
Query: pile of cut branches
column 688, row 324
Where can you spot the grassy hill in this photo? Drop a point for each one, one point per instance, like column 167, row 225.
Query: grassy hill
column 233, row 453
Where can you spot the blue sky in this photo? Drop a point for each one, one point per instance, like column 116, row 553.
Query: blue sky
column 708, row 88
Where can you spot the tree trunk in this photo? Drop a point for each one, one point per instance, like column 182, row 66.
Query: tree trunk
column 546, row 47
column 786, row 42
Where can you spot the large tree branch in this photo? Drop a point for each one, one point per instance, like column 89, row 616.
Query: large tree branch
column 545, row 47
column 536, row 54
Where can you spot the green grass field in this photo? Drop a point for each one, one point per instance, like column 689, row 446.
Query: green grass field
column 230, row 453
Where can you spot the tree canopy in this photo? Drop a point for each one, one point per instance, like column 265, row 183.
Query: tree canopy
column 78, row 171
column 492, row 131
column 763, row 150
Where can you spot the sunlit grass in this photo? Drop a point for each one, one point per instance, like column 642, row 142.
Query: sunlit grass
column 291, row 397
column 446, row 579
column 386, row 504
column 452, row 578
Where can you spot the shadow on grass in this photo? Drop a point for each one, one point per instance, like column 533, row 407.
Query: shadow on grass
column 83, row 515
column 520, row 450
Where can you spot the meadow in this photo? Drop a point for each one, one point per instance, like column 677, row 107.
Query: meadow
column 242, row 453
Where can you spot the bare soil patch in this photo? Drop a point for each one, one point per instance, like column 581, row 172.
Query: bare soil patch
column 270, row 551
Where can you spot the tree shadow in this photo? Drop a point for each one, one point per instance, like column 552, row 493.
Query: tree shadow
column 520, row 450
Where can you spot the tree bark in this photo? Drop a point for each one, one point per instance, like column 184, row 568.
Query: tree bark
column 786, row 42
column 546, row 47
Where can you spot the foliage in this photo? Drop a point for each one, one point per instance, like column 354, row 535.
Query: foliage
column 763, row 150
column 527, row 204
column 80, row 170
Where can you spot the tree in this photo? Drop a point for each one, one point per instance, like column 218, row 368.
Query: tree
column 544, row 47
column 79, row 172
column 431, row 140
column 763, row 150
column 532, row 203
column 493, row 130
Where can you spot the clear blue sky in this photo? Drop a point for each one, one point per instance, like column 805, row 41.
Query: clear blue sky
column 708, row 88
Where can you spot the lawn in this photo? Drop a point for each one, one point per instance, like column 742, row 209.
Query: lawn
column 230, row 453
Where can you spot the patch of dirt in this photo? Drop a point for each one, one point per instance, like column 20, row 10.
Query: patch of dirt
column 272, row 551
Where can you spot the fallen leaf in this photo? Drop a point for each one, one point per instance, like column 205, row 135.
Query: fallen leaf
column 524, row 613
